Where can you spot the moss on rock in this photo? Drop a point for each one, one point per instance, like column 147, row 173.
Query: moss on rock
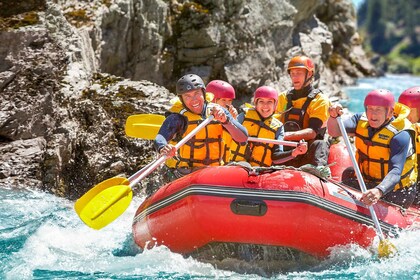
column 18, row 21
column 78, row 17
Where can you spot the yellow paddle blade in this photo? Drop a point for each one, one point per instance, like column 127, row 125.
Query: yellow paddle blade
column 386, row 249
column 145, row 126
column 209, row 96
column 104, row 202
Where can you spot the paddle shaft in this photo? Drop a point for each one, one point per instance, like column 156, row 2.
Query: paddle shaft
column 138, row 176
column 272, row 141
column 252, row 139
column 359, row 176
column 149, row 122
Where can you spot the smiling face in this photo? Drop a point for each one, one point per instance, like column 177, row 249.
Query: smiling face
column 377, row 115
column 194, row 100
column 265, row 106
column 297, row 75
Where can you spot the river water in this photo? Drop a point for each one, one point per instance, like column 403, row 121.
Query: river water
column 395, row 83
column 41, row 237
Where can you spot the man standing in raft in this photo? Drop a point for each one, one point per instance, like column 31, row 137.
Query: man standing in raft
column 304, row 113
column 411, row 98
column 261, row 123
column 385, row 148
column 206, row 147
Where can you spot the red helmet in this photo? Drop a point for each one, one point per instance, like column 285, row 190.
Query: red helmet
column 266, row 92
column 380, row 97
column 411, row 97
column 221, row 89
column 301, row 62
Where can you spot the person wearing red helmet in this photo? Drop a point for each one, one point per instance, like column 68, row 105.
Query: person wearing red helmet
column 261, row 123
column 411, row 98
column 385, row 148
column 191, row 109
column 304, row 112
column 223, row 93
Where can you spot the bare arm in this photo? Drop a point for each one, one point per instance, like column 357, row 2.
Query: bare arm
column 304, row 134
column 333, row 128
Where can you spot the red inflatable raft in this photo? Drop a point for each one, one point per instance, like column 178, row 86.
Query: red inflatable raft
column 279, row 206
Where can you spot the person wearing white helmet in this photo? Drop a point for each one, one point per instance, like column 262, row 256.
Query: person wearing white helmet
column 206, row 147
column 261, row 123
column 385, row 148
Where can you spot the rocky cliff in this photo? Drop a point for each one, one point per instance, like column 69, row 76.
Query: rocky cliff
column 71, row 72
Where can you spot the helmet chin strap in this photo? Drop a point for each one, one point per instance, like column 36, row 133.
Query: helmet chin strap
column 307, row 80
column 389, row 111
column 418, row 114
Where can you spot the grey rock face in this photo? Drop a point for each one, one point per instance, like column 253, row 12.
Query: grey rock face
column 246, row 43
column 69, row 81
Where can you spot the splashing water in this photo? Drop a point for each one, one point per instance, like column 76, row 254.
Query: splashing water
column 43, row 238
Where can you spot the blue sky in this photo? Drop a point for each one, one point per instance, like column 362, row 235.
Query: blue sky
column 357, row 3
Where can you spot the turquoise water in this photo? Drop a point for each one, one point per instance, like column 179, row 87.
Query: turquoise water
column 41, row 237
column 395, row 83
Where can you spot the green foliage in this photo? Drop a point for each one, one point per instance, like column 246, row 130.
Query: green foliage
column 399, row 65
column 398, row 62
column 416, row 66
column 391, row 28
